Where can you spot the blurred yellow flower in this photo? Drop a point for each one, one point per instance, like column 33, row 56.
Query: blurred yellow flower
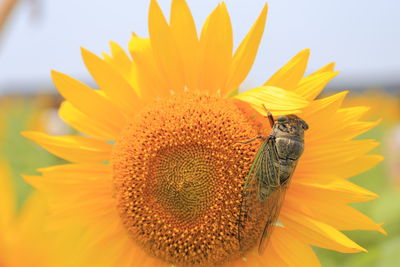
column 381, row 105
column 157, row 179
column 384, row 106
column 23, row 238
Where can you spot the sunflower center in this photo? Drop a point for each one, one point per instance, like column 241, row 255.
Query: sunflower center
column 179, row 173
column 183, row 186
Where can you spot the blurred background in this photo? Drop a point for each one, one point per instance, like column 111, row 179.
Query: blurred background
column 362, row 37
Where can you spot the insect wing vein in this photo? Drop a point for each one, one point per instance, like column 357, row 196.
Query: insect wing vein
column 274, row 205
column 273, row 196
column 250, row 193
column 261, row 183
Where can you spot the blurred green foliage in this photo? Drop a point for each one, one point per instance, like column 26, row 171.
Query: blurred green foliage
column 22, row 155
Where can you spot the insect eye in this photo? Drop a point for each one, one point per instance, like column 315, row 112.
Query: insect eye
column 305, row 126
column 282, row 118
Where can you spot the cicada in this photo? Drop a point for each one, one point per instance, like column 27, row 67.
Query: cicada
column 269, row 176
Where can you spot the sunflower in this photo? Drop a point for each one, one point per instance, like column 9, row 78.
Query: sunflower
column 157, row 178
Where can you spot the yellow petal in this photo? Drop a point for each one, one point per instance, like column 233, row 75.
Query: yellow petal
column 72, row 148
column 336, row 153
column 75, row 200
column 356, row 166
column 64, row 190
column 83, row 123
column 320, row 114
column 338, row 169
column 292, row 250
column 277, row 100
column 112, row 83
column 327, row 68
column 65, row 184
column 89, row 102
column 184, row 31
column 310, row 87
column 339, row 216
column 340, row 191
column 145, row 71
column 133, row 80
column 289, row 75
column 337, row 124
column 340, row 131
column 322, row 108
column 354, row 113
column 7, row 195
column 120, row 60
column 165, row 49
column 80, row 172
column 124, row 253
column 245, row 54
column 270, row 257
column 317, row 233
column 216, row 42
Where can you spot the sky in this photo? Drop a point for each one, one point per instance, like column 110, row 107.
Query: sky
column 362, row 37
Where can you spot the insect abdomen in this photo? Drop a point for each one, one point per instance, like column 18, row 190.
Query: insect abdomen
column 286, row 168
column 289, row 151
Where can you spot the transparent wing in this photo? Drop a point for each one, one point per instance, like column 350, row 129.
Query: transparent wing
column 261, row 182
column 273, row 206
column 269, row 170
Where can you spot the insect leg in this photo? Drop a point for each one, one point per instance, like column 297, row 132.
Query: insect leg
column 252, row 139
column 270, row 137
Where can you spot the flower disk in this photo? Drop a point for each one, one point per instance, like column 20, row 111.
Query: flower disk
column 178, row 174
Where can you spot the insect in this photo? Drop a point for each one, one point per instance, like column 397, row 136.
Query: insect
column 269, row 176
